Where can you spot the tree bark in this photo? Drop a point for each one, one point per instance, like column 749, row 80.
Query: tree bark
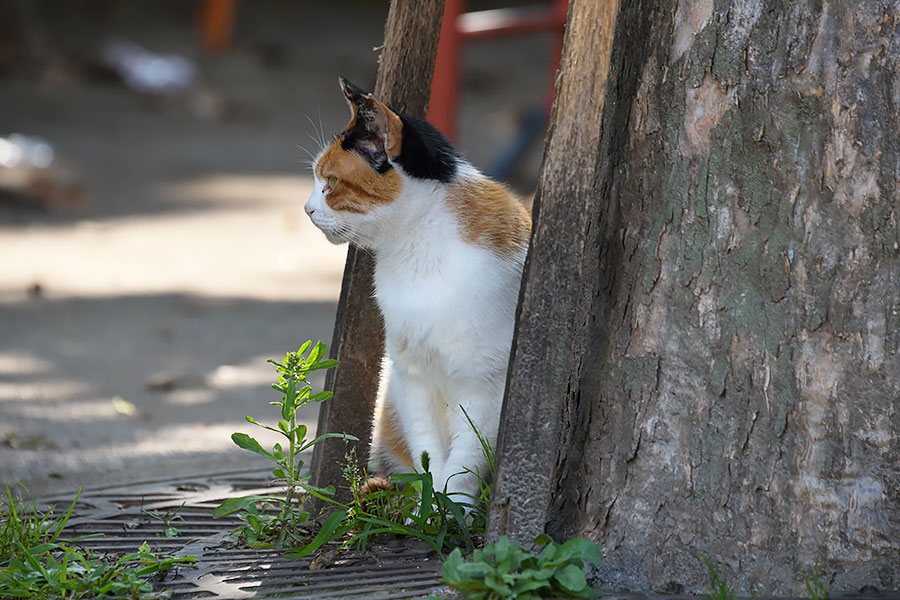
column 739, row 390
column 404, row 81
column 546, row 353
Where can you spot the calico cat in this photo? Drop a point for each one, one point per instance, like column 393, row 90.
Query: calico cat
column 449, row 245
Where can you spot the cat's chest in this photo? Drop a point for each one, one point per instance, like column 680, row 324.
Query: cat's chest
column 422, row 294
column 430, row 303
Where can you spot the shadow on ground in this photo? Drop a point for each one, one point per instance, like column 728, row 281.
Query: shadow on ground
column 174, row 381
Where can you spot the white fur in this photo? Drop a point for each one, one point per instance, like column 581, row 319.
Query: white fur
column 448, row 309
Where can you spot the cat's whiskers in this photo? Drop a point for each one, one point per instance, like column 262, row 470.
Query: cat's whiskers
column 320, row 134
column 360, row 239
column 321, row 130
column 309, row 162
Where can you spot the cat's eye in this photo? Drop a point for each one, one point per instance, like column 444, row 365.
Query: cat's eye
column 332, row 181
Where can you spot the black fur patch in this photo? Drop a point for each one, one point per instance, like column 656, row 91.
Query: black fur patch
column 357, row 139
column 425, row 153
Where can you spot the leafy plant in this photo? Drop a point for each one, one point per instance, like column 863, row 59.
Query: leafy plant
column 720, row 589
column 166, row 518
column 24, row 526
column 506, row 569
column 34, row 563
column 57, row 571
column 285, row 528
column 408, row 506
column 481, row 503
column 815, row 587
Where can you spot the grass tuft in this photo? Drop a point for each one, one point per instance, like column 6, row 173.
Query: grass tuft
column 35, row 562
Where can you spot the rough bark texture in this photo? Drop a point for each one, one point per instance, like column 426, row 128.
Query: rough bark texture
column 549, row 343
column 739, row 390
column 404, row 82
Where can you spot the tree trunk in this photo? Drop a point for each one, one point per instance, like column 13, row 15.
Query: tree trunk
column 404, row 81
column 739, row 390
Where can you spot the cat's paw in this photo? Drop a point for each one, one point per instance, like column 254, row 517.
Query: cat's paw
column 461, row 487
column 376, row 489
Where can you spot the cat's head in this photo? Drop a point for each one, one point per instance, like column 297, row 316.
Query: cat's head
column 363, row 171
column 353, row 176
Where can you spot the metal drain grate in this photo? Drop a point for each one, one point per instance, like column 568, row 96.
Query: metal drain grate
column 397, row 569
column 388, row 570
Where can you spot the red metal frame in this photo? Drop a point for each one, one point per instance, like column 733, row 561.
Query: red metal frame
column 458, row 27
column 218, row 24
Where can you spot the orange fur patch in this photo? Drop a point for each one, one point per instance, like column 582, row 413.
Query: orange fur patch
column 359, row 188
column 387, row 437
column 394, row 131
column 490, row 216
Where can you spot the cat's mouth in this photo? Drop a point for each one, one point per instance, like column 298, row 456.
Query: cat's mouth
column 334, row 233
column 335, row 237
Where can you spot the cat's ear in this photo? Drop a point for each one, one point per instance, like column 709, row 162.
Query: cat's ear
column 352, row 92
column 374, row 129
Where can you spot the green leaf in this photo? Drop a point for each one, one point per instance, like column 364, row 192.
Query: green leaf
column 279, row 473
column 571, row 579
column 314, row 354
column 579, row 548
column 321, row 396
column 324, row 364
column 242, row 440
column 324, row 436
column 332, row 528
column 497, row 585
column 290, row 399
column 588, row 550
column 457, row 511
column 233, row 505
column 303, row 348
column 303, row 394
column 531, row 581
column 299, row 433
column 325, row 491
column 450, row 571
column 250, row 419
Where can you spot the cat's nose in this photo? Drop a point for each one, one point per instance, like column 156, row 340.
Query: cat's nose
column 309, row 209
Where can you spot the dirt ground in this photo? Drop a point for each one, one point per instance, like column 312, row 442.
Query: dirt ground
column 139, row 303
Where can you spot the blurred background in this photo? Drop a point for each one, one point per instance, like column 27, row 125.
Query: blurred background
column 153, row 246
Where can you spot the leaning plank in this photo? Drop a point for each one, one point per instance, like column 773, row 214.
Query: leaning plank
column 550, row 324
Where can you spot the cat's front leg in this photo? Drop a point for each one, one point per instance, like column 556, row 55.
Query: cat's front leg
column 414, row 405
column 466, row 463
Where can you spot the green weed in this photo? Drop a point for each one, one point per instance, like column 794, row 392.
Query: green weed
column 409, row 506
column 720, row 589
column 262, row 527
column 506, row 569
column 481, row 503
column 25, row 527
column 166, row 518
column 36, row 563
column 815, row 587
